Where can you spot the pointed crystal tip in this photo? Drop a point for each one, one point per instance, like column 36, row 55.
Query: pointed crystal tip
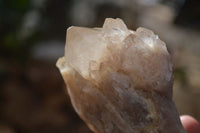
column 119, row 80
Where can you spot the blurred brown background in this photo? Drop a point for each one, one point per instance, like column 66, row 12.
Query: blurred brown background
column 32, row 37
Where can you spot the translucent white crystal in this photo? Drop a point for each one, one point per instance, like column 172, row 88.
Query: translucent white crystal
column 86, row 47
column 120, row 81
column 81, row 49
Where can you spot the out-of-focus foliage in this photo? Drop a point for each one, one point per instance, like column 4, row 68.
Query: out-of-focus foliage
column 11, row 19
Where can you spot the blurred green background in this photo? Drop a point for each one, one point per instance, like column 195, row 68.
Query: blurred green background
column 32, row 36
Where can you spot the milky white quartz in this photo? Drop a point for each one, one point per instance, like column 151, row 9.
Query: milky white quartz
column 119, row 80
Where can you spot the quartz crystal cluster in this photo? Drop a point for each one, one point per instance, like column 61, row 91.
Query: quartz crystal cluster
column 119, row 80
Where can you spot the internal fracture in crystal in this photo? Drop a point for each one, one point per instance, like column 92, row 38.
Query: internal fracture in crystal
column 119, row 80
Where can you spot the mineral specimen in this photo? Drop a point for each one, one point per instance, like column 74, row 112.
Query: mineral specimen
column 119, row 80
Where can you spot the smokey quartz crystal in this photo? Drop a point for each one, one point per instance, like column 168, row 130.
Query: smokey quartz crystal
column 119, row 80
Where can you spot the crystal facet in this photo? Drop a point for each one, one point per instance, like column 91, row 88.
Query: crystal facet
column 119, row 80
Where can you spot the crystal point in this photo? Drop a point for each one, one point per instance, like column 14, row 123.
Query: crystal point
column 120, row 81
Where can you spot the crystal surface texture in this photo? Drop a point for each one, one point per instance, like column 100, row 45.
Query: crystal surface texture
column 119, row 80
